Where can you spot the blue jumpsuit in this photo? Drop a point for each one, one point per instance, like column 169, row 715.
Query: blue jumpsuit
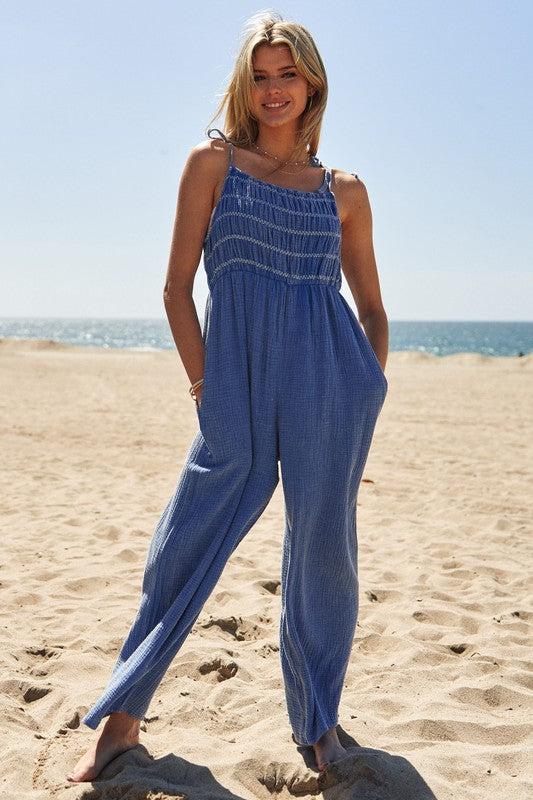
column 289, row 377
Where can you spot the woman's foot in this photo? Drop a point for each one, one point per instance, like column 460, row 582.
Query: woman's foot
column 328, row 749
column 120, row 733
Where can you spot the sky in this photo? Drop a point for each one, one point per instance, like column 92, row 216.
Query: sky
column 430, row 103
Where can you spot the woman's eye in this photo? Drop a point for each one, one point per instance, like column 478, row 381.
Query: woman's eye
column 258, row 78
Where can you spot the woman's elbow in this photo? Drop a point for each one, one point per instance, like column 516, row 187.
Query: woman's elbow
column 174, row 291
column 167, row 293
column 375, row 312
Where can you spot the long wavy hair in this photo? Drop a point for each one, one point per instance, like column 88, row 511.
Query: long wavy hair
column 270, row 28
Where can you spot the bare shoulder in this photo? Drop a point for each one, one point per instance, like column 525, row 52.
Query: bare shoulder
column 208, row 159
column 350, row 193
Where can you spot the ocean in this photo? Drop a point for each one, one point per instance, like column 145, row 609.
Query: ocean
column 438, row 338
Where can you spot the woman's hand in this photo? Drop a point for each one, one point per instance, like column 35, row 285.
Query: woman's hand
column 198, row 393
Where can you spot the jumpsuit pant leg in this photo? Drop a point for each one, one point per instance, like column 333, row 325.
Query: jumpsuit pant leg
column 327, row 419
column 226, row 483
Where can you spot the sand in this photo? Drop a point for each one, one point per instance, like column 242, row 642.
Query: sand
column 438, row 697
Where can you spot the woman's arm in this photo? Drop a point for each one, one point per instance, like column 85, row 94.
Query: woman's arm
column 200, row 178
column 359, row 262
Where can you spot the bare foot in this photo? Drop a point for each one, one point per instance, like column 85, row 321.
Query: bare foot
column 120, row 733
column 328, row 749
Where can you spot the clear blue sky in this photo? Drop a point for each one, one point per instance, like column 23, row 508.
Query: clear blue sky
column 430, row 103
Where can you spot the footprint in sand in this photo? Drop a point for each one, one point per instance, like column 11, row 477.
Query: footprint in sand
column 73, row 722
column 31, row 692
column 43, row 651
column 496, row 696
column 37, row 664
column 224, row 670
column 458, row 648
column 240, row 629
column 361, row 773
column 272, row 587
column 268, row 649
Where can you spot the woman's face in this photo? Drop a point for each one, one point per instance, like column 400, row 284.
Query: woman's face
column 280, row 92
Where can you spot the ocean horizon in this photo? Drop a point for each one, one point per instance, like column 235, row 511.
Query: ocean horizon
column 440, row 338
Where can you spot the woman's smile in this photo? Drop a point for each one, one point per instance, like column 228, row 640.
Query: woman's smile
column 275, row 106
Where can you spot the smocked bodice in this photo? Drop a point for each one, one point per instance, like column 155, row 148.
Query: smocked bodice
column 290, row 234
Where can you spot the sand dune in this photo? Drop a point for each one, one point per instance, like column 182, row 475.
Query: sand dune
column 438, row 693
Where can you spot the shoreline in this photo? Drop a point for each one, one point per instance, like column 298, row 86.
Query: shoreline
column 14, row 344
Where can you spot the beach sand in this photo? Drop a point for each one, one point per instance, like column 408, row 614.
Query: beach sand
column 438, row 697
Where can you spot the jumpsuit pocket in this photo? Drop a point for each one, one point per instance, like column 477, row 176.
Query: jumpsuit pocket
column 203, row 411
column 376, row 363
column 205, row 384
column 200, row 407
column 203, row 425
column 363, row 345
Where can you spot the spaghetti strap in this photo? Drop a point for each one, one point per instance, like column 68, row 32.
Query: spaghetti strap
column 326, row 183
column 221, row 135
column 224, row 138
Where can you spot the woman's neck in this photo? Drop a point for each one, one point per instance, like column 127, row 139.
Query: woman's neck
column 280, row 144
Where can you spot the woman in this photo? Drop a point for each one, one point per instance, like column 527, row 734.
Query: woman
column 282, row 371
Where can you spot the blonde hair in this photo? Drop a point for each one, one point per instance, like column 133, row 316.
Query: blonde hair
column 268, row 27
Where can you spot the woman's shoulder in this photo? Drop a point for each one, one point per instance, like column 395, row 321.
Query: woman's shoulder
column 208, row 158
column 348, row 182
column 350, row 193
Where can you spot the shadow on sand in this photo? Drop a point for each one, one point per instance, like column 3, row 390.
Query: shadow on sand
column 363, row 774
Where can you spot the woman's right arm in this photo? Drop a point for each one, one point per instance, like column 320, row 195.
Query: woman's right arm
column 198, row 184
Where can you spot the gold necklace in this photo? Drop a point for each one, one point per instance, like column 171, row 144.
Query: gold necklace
column 281, row 160
column 297, row 172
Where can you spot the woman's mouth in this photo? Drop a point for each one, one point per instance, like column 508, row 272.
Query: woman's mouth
column 277, row 105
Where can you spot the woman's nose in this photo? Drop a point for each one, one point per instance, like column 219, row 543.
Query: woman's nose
column 271, row 84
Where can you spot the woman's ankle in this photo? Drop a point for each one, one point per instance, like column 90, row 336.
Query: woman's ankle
column 124, row 722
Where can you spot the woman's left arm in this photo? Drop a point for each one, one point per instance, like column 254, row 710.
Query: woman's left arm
column 359, row 262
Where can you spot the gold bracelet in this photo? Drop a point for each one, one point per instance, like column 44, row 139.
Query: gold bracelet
column 195, row 386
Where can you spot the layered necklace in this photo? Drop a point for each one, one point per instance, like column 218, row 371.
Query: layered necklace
column 282, row 162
